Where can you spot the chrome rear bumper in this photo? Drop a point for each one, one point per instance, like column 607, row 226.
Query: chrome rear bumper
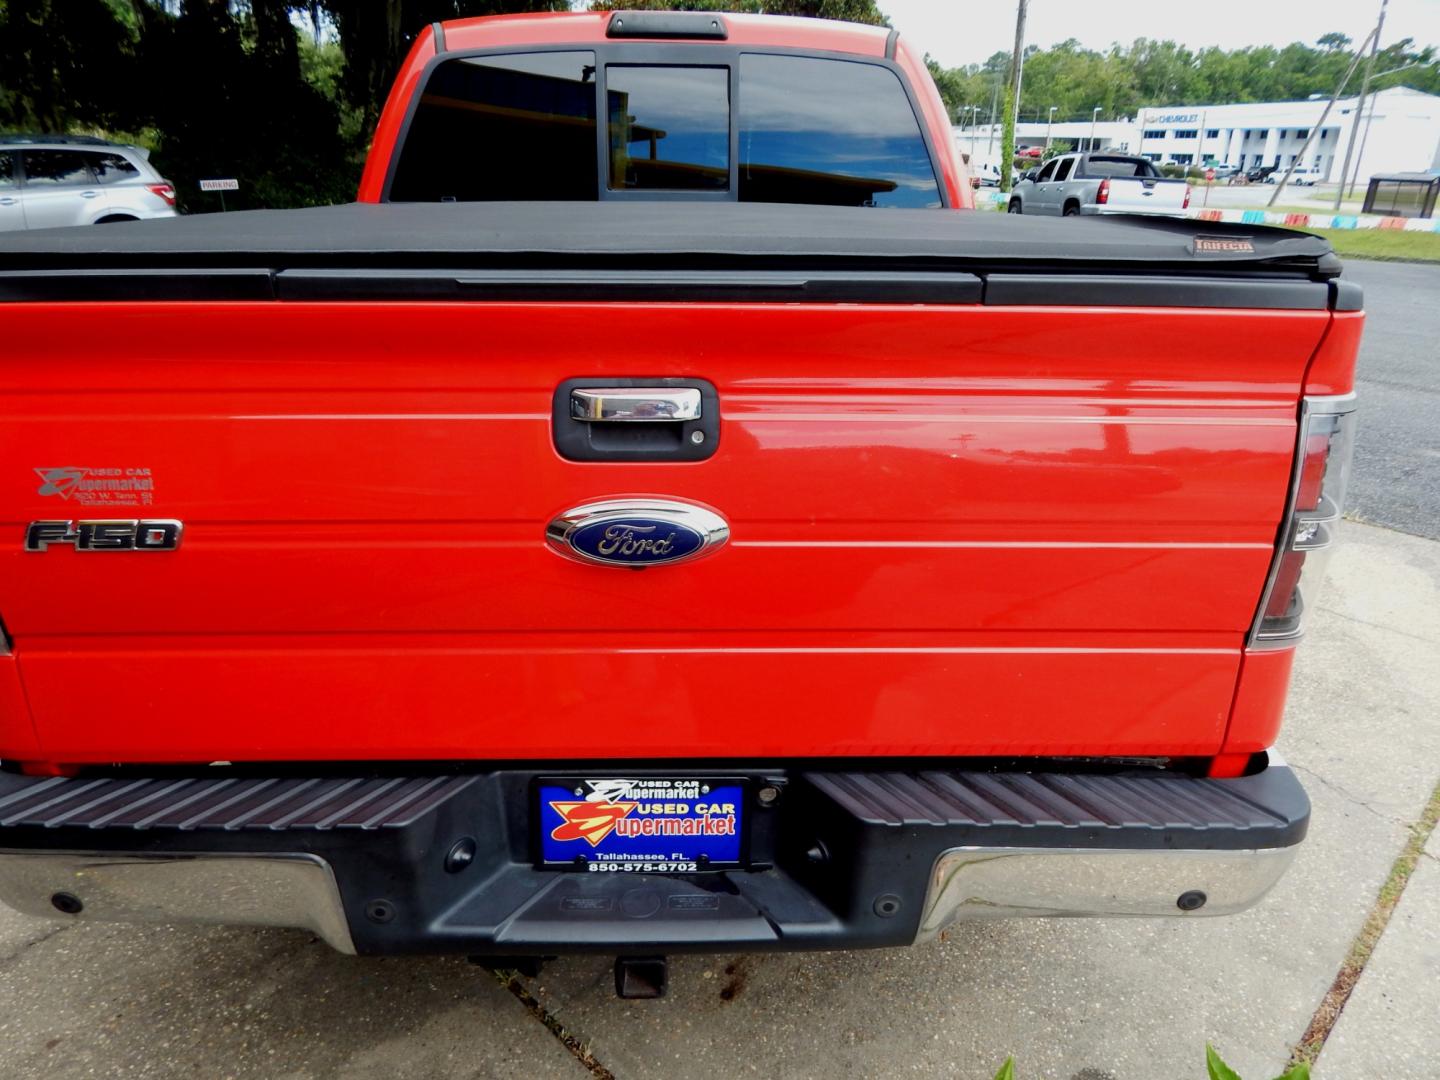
column 989, row 883
column 299, row 891
column 296, row 891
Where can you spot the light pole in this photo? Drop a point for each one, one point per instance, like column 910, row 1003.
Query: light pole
column 1316, row 128
column 1094, row 115
column 974, row 123
column 1345, row 176
column 1049, row 123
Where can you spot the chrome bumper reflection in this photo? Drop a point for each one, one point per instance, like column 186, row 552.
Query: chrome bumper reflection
column 296, row 891
column 986, row 883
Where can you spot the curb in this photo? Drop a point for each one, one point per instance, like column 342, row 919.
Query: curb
column 1318, row 221
column 996, row 200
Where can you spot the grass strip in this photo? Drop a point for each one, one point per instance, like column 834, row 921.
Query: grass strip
column 511, row 981
column 1393, row 245
column 1361, row 949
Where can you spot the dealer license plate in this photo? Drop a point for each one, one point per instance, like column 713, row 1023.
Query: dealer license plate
column 645, row 826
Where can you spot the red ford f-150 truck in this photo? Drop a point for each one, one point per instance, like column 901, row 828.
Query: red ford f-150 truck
column 581, row 543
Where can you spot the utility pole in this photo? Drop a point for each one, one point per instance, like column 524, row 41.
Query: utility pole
column 1094, row 115
column 1315, row 130
column 1364, row 140
column 994, row 105
column 1012, row 96
column 1049, row 123
column 1360, row 108
column 1370, row 120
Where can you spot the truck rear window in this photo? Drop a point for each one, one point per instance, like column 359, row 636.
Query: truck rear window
column 522, row 127
column 830, row 131
column 503, row 127
column 1121, row 167
column 669, row 127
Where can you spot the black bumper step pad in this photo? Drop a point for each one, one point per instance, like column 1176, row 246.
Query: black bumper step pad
column 1091, row 809
column 226, row 803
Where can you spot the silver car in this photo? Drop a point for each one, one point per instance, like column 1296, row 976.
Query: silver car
column 52, row 180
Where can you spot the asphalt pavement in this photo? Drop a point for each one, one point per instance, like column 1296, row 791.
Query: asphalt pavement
column 1070, row 999
column 1396, row 480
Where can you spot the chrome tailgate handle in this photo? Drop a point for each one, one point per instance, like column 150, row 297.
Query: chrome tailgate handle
column 639, row 404
column 635, row 418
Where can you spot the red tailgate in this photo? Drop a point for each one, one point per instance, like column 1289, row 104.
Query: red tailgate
column 955, row 530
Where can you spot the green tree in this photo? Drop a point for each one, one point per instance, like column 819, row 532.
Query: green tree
column 225, row 95
column 220, row 87
column 1007, row 138
column 65, row 65
column 1127, row 78
column 375, row 36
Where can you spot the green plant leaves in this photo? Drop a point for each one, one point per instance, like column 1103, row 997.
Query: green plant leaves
column 1216, row 1068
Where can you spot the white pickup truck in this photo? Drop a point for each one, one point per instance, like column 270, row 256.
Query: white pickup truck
column 1098, row 184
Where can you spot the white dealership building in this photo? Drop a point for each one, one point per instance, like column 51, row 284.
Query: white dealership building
column 1399, row 132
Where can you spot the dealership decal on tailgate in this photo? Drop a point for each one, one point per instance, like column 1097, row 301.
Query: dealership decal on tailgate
column 643, row 826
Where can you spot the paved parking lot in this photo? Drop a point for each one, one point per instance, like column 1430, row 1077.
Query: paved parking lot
column 1072, row 1000
column 1397, row 457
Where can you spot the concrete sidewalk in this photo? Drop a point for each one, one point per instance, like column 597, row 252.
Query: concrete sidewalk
column 1389, row 1028
column 1076, row 1000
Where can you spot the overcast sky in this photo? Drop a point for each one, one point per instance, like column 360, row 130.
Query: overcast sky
column 958, row 32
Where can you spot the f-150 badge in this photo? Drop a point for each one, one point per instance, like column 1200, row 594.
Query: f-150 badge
column 637, row 532
column 146, row 534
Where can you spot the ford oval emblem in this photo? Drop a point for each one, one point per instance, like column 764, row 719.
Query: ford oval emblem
column 637, row 532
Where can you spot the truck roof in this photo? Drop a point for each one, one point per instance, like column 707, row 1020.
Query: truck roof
column 559, row 27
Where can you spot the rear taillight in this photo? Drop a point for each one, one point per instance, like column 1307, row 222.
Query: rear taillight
column 165, row 190
column 1322, row 470
column 1186, row 204
column 1103, row 194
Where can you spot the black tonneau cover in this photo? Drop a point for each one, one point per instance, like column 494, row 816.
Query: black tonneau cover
column 670, row 250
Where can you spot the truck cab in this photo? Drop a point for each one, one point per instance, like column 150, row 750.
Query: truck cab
column 656, row 106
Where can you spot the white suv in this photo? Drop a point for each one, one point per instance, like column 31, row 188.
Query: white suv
column 51, row 180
